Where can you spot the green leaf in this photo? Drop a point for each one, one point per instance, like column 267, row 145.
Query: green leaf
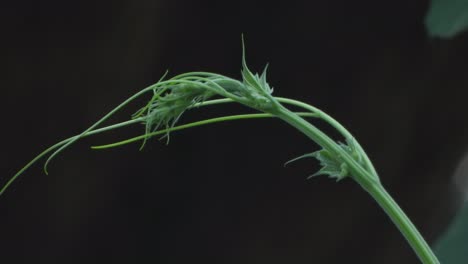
column 446, row 18
column 451, row 247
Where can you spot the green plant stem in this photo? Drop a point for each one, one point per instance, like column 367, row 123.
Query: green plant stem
column 403, row 223
column 325, row 142
column 369, row 182
column 330, row 120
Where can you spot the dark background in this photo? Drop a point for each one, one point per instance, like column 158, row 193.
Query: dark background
column 220, row 194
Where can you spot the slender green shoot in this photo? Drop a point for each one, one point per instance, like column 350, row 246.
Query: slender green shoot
column 171, row 98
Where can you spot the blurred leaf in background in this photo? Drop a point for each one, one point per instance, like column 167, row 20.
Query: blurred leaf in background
column 446, row 18
column 453, row 245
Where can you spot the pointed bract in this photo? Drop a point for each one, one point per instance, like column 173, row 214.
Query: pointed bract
column 255, row 81
column 333, row 166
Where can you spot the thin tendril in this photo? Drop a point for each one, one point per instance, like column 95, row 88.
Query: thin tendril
column 194, row 124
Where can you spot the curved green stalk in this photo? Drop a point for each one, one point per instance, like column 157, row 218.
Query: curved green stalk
column 375, row 189
column 327, row 143
column 330, row 120
column 404, row 224
column 171, row 98
column 368, row 182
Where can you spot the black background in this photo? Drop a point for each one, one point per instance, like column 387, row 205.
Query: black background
column 220, row 194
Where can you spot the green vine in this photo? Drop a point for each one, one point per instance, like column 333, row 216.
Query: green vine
column 172, row 97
